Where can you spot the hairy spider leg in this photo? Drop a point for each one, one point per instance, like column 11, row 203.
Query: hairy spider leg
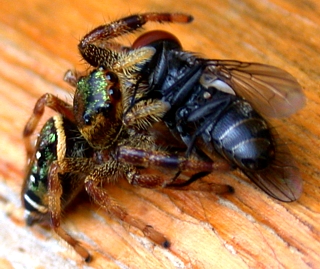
column 97, row 49
column 159, row 160
column 46, row 100
column 102, row 198
column 54, row 208
column 96, row 176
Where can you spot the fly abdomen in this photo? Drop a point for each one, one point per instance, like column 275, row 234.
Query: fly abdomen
column 242, row 136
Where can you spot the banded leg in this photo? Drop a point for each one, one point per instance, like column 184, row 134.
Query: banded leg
column 163, row 162
column 93, row 185
column 46, row 100
column 96, row 47
column 192, row 183
column 101, row 197
column 54, row 207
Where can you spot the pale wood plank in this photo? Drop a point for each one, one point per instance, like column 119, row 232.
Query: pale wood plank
column 244, row 230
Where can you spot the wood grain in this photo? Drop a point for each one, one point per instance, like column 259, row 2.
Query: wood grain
column 38, row 43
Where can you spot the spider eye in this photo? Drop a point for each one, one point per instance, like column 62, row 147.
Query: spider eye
column 112, row 77
column 105, row 110
column 87, row 119
column 114, row 94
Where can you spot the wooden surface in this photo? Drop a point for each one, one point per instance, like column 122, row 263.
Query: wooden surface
column 38, row 42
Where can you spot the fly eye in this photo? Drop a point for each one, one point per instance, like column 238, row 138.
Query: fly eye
column 157, row 38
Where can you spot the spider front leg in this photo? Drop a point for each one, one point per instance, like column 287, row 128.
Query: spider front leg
column 97, row 49
column 46, row 100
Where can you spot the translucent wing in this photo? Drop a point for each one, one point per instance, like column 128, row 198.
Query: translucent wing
column 282, row 179
column 270, row 90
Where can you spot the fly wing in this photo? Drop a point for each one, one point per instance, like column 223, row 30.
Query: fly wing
column 270, row 90
column 281, row 179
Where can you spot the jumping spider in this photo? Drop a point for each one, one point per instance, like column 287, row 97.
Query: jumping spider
column 92, row 142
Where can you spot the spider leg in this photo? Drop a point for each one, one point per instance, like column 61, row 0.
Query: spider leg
column 164, row 162
column 55, row 192
column 46, row 100
column 102, row 198
column 145, row 113
column 97, row 49
column 97, row 175
column 160, row 159
column 129, row 24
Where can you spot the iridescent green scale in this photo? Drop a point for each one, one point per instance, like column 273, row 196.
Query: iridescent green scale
column 58, row 139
